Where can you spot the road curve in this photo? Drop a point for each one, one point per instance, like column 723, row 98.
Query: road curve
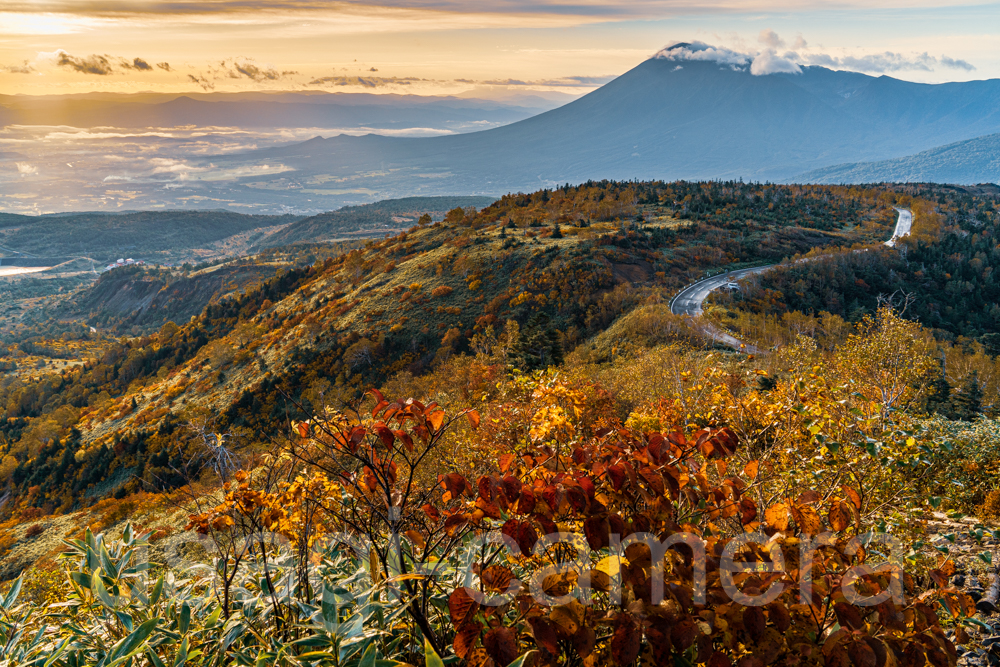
column 903, row 225
column 688, row 301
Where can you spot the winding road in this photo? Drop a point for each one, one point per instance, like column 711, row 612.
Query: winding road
column 690, row 299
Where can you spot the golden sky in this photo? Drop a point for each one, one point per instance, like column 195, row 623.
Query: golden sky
column 443, row 47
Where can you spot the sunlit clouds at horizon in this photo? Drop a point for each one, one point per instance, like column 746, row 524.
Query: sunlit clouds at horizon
column 441, row 47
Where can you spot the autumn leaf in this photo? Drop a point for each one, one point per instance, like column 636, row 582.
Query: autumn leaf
column 461, row 606
column 544, row 633
column 466, row 637
column 501, row 644
column 626, row 640
column 776, row 516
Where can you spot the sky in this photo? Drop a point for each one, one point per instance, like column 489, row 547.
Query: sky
column 448, row 47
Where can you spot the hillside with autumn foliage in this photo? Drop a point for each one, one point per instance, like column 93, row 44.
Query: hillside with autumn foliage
column 514, row 371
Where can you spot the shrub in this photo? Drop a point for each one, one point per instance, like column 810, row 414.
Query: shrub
column 34, row 530
column 441, row 291
column 990, row 509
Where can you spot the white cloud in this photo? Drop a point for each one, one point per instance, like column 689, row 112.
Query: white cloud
column 702, row 51
column 769, row 62
column 26, row 169
column 770, row 38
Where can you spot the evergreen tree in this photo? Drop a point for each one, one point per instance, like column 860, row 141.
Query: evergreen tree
column 967, row 403
column 939, row 398
column 556, row 232
column 991, row 343
column 538, row 344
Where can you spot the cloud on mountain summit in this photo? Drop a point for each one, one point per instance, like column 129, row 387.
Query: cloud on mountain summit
column 768, row 59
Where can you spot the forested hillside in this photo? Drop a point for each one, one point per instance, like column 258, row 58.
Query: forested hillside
column 559, row 265
column 160, row 235
column 369, row 220
column 947, row 266
column 337, row 443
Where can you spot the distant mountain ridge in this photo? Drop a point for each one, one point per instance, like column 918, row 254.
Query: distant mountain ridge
column 963, row 162
column 369, row 220
column 670, row 120
column 320, row 110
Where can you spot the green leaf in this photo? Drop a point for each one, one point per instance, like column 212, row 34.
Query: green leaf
column 153, row 658
column 185, row 621
column 213, row 618
column 182, row 653
column 131, row 644
column 157, row 591
column 986, row 557
column 11, row 597
column 431, row 658
column 100, row 591
column 58, row 652
column 521, row 660
column 368, row 659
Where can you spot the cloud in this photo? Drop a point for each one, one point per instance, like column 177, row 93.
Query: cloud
column 93, row 64
column 251, row 71
column 571, row 81
column 137, row 63
column 770, row 38
column 24, row 68
column 164, row 66
column 769, row 62
column 957, row 64
column 881, row 63
column 702, row 51
column 201, row 81
column 26, row 169
column 364, row 81
column 102, row 65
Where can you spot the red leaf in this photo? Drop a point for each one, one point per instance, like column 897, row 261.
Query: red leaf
column 526, row 537
column 626, row 640
column 616, row 474
column 748, row 511
column 385, row 435
column 526, row 503
column 501, row 644
column 596, row 529
column 466, row 638
column 754, row 622
column 544, row 633
column 431, row 511
column 461, row 607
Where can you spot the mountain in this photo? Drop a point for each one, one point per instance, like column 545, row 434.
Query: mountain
column 963, row 162
column 667, row 119
column 315, row 109
column 368, row 220
column 159, row 235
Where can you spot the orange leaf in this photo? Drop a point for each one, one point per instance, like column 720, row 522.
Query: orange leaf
column 840, row 517
column 461, row 607
column 853, row 496
column 473, row 418
column 505, row 462
column 751, row 469
column 436, row 419
column 776, row 516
